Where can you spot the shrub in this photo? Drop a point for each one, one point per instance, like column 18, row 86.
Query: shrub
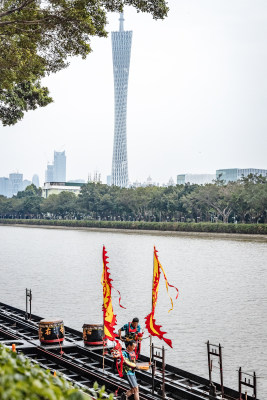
column 20, row 380
column 141, row 225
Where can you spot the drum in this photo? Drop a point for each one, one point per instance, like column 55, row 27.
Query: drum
column 51, row 331
column 93, row 334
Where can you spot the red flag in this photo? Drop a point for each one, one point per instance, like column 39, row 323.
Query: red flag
column 108, row 314
column 152, row 327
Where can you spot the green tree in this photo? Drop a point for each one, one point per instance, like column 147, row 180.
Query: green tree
column 31, row 200
column 38, row 37
column 66, row 205
column 62, row 205
column 158, row 203
column 3, row 206
column 125, row 202
column 89, row 199
column 13, row 207
column 241, row 207
column 21, row 97
column 185, row 201
column 255, row 189
column 30, row 190
column 216, row 197
column 49, row 205
column 141, row 200
column 106, row 205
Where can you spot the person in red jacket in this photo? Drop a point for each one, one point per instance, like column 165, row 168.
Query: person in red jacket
column 131, row 329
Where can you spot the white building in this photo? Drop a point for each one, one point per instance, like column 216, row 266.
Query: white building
column 58, row 187
column 234, row 174
column 199, row 179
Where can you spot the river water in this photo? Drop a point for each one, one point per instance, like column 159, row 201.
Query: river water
column 222, row 284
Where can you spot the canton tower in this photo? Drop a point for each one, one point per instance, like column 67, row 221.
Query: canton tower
column 121, row 52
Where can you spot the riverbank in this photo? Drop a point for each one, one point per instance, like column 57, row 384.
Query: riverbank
column 237, row 231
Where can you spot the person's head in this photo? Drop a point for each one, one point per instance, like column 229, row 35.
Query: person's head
column 131, row 345
column 135, row 322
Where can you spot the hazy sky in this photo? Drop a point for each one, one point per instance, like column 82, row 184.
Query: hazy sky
column 197, row 98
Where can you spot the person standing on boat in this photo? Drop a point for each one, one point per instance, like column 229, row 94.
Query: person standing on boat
column 129, row 366
column 131, row 330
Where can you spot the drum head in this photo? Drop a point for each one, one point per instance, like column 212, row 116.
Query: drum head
column 51, row 321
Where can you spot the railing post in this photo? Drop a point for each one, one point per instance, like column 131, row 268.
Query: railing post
column 239, row 383
column 160, row 356
column 209, row 363
column 153, row 368
column 28, row 299
column 30, row 304
column 247, row 382
column 221, row 369
column 163, row 372
column 255, row 385
column 212, row 351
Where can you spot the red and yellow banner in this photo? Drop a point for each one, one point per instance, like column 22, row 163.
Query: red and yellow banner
column 152, row 327
column 109, row 317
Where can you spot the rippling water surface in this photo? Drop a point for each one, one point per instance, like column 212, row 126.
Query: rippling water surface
column 222, row 284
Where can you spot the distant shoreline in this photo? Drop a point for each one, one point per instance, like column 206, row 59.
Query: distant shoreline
column 207, row 235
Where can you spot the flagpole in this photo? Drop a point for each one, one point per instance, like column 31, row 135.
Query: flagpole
column 150, row 353
column 104, row 277
column 103, row 344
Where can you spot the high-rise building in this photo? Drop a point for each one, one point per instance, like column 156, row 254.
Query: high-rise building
column 59, row 166
column 121, row 51
column 109, row 180
column 35, row 180
column 26, row 183
column 16, row 183
column 49, row 173
column 234, row 174
column 56, row 172
column 4, row 186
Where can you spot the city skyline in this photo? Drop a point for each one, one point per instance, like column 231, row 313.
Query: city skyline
column 197, row 102
column 10, row 186
column 14, row 183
